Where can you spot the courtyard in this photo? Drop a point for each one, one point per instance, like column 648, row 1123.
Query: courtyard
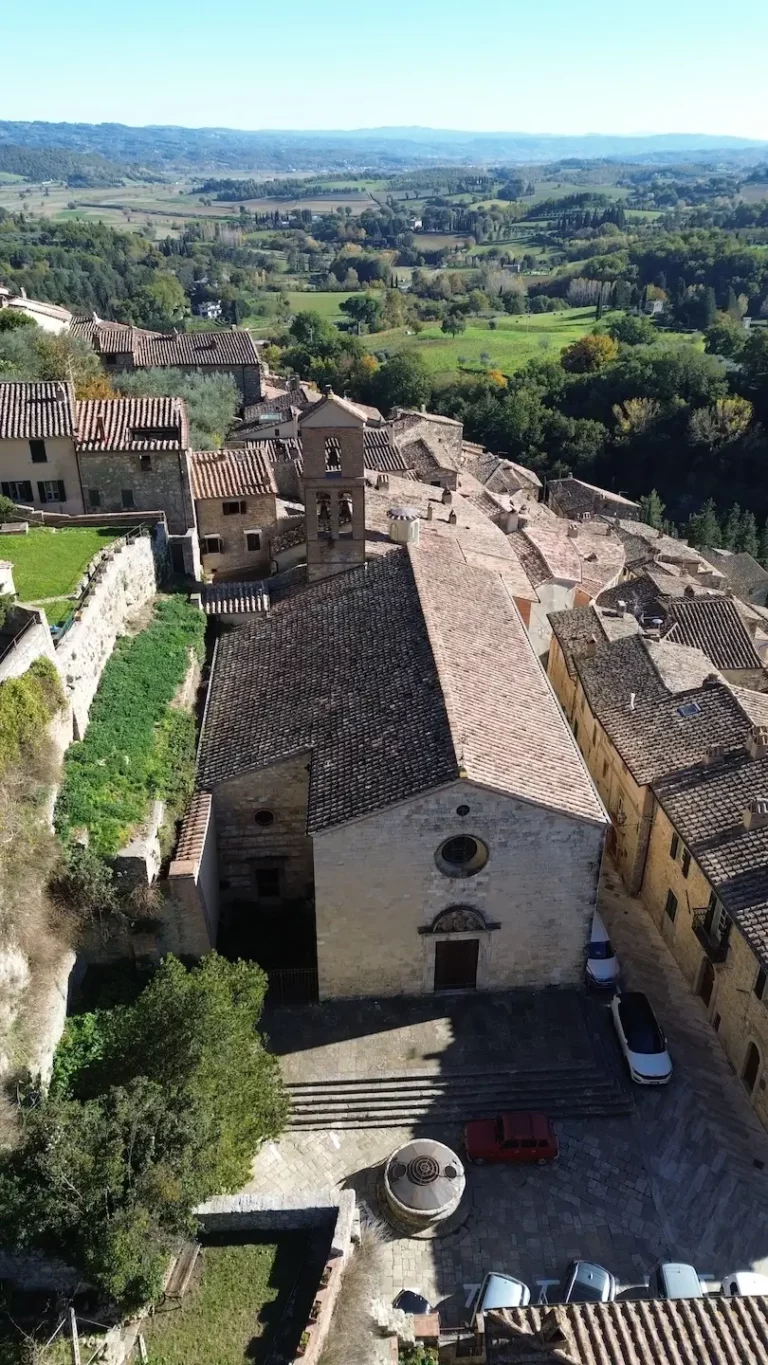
column 680, row 1172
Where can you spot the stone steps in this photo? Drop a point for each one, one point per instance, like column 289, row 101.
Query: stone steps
column 415, row 1098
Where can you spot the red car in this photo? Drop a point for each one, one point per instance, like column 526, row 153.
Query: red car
column 511, row 1137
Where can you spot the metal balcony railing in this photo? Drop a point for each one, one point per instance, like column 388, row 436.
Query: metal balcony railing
column 715, row 944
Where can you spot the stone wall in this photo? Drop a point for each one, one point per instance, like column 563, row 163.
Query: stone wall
column 25, row 637
column 166, row 483
column 191, row 922
column 536, row 894
column 127, row 582
column 260, row 515
column 738, row 1015
column 245, row 845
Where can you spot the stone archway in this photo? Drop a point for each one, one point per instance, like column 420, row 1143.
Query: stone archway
column 457, row 950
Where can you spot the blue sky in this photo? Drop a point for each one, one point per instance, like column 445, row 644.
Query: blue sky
column 613, row 66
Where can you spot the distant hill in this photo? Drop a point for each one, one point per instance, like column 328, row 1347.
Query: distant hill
column 382, row 149
column 59, row 163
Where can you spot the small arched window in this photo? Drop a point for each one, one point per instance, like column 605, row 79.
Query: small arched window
column 461, row 856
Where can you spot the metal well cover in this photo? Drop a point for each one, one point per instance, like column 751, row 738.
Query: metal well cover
column 425, row 1175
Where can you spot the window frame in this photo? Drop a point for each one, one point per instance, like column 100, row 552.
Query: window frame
column 674, row 847
column 15, row 489
column 37, row 451
column 219, row 544
column 234, row 507
column 671, row 906
column 253, row 549
column 45, row 488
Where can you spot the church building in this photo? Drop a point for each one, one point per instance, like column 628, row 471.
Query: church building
column 384, row 746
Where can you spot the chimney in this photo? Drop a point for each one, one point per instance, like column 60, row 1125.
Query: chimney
column 101, row 431
column 590, row 649
column 452, row 518
column 430, row 510
column 712, row 680
column 447, row 497
column 572, row 531
column 404, row 525
column 757, row 741
column 513, row 521
column 555, row 1332
column 717, row 751
column 756, row 814
column 382, row 481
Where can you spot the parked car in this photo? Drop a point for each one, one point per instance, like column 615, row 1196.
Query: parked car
column 642, row 1040
column 411, row 1301
column 602, row 968
column 511, row 1137
column 499, row 1291
column 584, row 1282
column 743, row 1283
column 675, row 1280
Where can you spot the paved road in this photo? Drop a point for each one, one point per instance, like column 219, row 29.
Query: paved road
column 676, row 1178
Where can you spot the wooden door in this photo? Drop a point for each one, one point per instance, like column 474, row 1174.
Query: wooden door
column 456, row 964
column 707, row 983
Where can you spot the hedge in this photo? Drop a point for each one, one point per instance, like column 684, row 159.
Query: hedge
column 136, row 749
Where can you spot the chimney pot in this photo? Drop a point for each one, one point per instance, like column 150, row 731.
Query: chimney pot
column 756, row 814
column 447, row 497
column 757, row 741
column 452, row 518
column 430, row 511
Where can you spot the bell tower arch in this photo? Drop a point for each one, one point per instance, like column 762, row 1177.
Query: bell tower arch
column 333, row 481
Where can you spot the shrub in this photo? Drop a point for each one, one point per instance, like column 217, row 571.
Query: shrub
column 153, row 1107
column 135, row 749
column 27, row 704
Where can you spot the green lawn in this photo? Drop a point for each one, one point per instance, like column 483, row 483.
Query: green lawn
column 327, row 304
column 219, row 1320
column 513, row 342
column 48, row 563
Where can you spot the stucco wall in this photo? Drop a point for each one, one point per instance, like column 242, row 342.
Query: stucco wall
column 377, row 884
column 127, row 582
column 16, row 464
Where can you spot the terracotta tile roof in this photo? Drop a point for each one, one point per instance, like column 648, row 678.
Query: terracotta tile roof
column 344, row 672
column 706, row 805
column 713, row 1330
column 196, row 349
column 36, row 411
column 755, row 704
column 508, row 730
column 745, row 577
column 574, row 497
column 657, row 730
column 132, row 424
column 232, row 473
column 381, row 453
column 289, row 538
column 231, row 599
column 194, row 829
column 714, row 625
column 383, row 675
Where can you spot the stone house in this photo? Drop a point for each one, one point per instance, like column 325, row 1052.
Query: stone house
column 122, row 347
column 639, row 709
column 445, row 828
column 573, row 498
column 133, row 453
column 237, row 503
column 706, row 889
column 38, row 430
column 430, row 444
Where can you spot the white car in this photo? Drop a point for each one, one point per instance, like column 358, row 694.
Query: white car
column 641, row 1039
column 744, row 1283
column 602, row 963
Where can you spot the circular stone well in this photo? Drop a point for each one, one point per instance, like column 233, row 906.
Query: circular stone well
column 423, row 1183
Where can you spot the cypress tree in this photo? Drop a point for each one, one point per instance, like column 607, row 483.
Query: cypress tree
column 732, row 528
column 748, row 541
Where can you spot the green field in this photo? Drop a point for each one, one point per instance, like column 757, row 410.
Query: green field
column 49, row 564
column 514, row 341
column 327, row 304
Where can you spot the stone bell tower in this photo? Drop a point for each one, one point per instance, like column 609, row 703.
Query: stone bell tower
column 332, row 440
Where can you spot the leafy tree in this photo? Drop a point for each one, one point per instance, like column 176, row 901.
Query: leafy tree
column 703, row 528
column 11, row 319
column 652, row 509
column 152, row 1108
column 635, row 416
column 589, row 354
column 726, row 338
column 161, row 303
column 632, row 330
column 364, row 309
column 726, row 420
column 453, row 322
column 211, row 400
column 403, row 381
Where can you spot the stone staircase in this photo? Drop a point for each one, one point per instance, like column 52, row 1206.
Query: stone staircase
column 412, row 1098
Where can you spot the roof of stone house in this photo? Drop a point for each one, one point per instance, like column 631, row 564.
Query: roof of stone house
column 194, row 828
column 483, row 499
column 745, row 577
column 475, row 538
column 288, row 538
column 36, row 411
column 380, row 451
column 132, row 424
column 498, row 474
column 655, row 707
column 196, row 349
column 42, row 306
column 532, row 560
column 396, row 677
column 555, row 549
column 575, row 497
column 234, row 599
column 108, row 338
column 706, row 805
column 713, row 1330
column 429, row 438
column 755, row 704
column 368, row 414
column 232, row 473
column 714, row 625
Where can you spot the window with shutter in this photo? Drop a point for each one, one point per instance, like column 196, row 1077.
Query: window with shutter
column 674, row 846
column 38, row 452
